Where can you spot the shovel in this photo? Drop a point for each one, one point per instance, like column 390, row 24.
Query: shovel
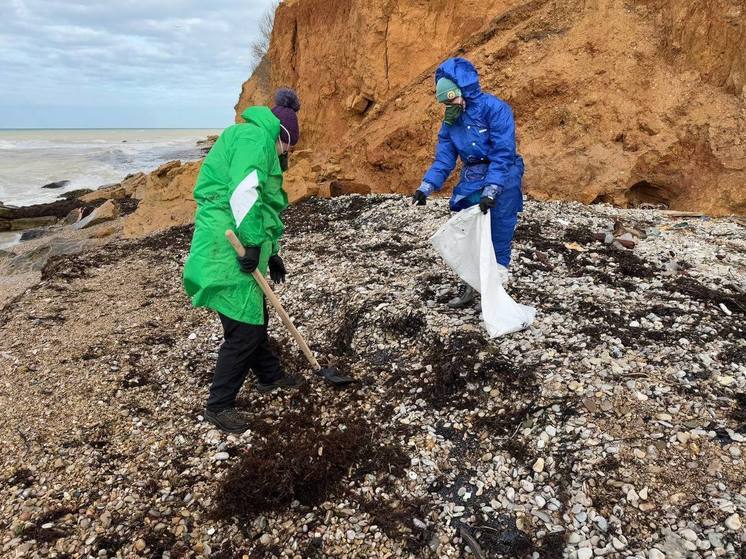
column 330, row 374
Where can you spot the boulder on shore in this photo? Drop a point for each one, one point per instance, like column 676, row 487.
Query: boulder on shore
column 36, row 259
column 30, row 234
column 58, row 209
column 72, row 194
column 126, row 189
column 32, row 222
column 105, row 212
column 56, row 184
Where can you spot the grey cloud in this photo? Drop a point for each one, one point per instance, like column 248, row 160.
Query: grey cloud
column 172, row 51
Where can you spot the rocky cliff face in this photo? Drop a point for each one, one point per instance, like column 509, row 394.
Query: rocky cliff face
column 628, row 102
column 709, row 35
column 346, row 57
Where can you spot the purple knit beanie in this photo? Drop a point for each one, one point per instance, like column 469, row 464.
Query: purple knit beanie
column 286, row 106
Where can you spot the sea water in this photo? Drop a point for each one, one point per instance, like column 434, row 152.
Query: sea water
column 29, row 159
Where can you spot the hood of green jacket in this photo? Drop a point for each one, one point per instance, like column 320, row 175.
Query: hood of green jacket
column 264, row 118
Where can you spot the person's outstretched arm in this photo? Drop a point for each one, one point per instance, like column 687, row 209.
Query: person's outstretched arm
column 445, row 161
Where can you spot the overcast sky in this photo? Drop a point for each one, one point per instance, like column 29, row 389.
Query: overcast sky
column 124, row 63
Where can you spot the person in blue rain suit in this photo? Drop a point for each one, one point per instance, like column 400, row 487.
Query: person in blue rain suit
column 480, row 129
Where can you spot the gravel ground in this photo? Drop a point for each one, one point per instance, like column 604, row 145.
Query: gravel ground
column 614, row 427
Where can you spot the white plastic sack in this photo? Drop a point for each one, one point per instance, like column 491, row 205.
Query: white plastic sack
column 465, row 243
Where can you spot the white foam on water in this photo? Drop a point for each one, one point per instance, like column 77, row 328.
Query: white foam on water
column 7, row 239
column 87, row 158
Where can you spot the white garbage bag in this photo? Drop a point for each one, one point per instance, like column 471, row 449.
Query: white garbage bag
column 465, row 243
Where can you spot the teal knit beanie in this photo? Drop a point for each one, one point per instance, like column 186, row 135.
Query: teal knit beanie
column 446, row 90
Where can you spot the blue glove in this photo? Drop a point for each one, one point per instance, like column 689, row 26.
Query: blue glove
column 491, row 191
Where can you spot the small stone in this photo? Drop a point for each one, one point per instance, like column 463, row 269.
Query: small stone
column 602, row 523
column 590, row 405
column 733, row 522
column 192, row 336
column 266, row 539
column 221, row 456
column 350, row 535
column 632, row 496
column 656, row 554
column 683, row 437
column 585, row 553
column 617, row 543
column 643, row 493
column 140, row 545
column 688, row 534
column 539, row 466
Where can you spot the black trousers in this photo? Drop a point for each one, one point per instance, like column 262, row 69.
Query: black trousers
column 245, row 347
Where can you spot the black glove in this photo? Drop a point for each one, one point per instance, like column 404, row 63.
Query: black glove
column 486, row 204
column 277, row 269
column 419, row 198
column 249, row 261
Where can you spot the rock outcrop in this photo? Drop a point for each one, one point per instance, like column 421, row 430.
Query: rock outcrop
column 626, row 102
column 107, row 211
column 166, row 199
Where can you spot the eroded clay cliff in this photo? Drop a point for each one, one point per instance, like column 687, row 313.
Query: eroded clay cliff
column 628, row 102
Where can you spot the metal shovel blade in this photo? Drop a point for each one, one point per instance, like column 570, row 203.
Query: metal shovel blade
column 332, row 376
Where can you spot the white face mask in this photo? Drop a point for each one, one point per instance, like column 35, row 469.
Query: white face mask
column 285, row 146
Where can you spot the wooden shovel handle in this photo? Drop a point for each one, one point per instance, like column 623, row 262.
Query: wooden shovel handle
column 275, row 302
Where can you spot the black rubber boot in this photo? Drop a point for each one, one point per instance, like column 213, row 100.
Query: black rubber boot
column 228, row 420
column 285, row 382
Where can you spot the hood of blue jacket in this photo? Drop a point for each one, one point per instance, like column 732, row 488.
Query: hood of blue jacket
column 463, row 73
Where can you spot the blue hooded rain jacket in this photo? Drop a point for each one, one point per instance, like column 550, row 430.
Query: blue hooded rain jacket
column 484, row 138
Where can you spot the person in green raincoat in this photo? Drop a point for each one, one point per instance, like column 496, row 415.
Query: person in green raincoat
column 240, row 188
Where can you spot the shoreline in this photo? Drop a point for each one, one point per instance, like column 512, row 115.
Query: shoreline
column 12, row 227
column 39, row 165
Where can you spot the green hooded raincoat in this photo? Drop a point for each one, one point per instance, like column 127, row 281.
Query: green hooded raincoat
column 240, row 188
